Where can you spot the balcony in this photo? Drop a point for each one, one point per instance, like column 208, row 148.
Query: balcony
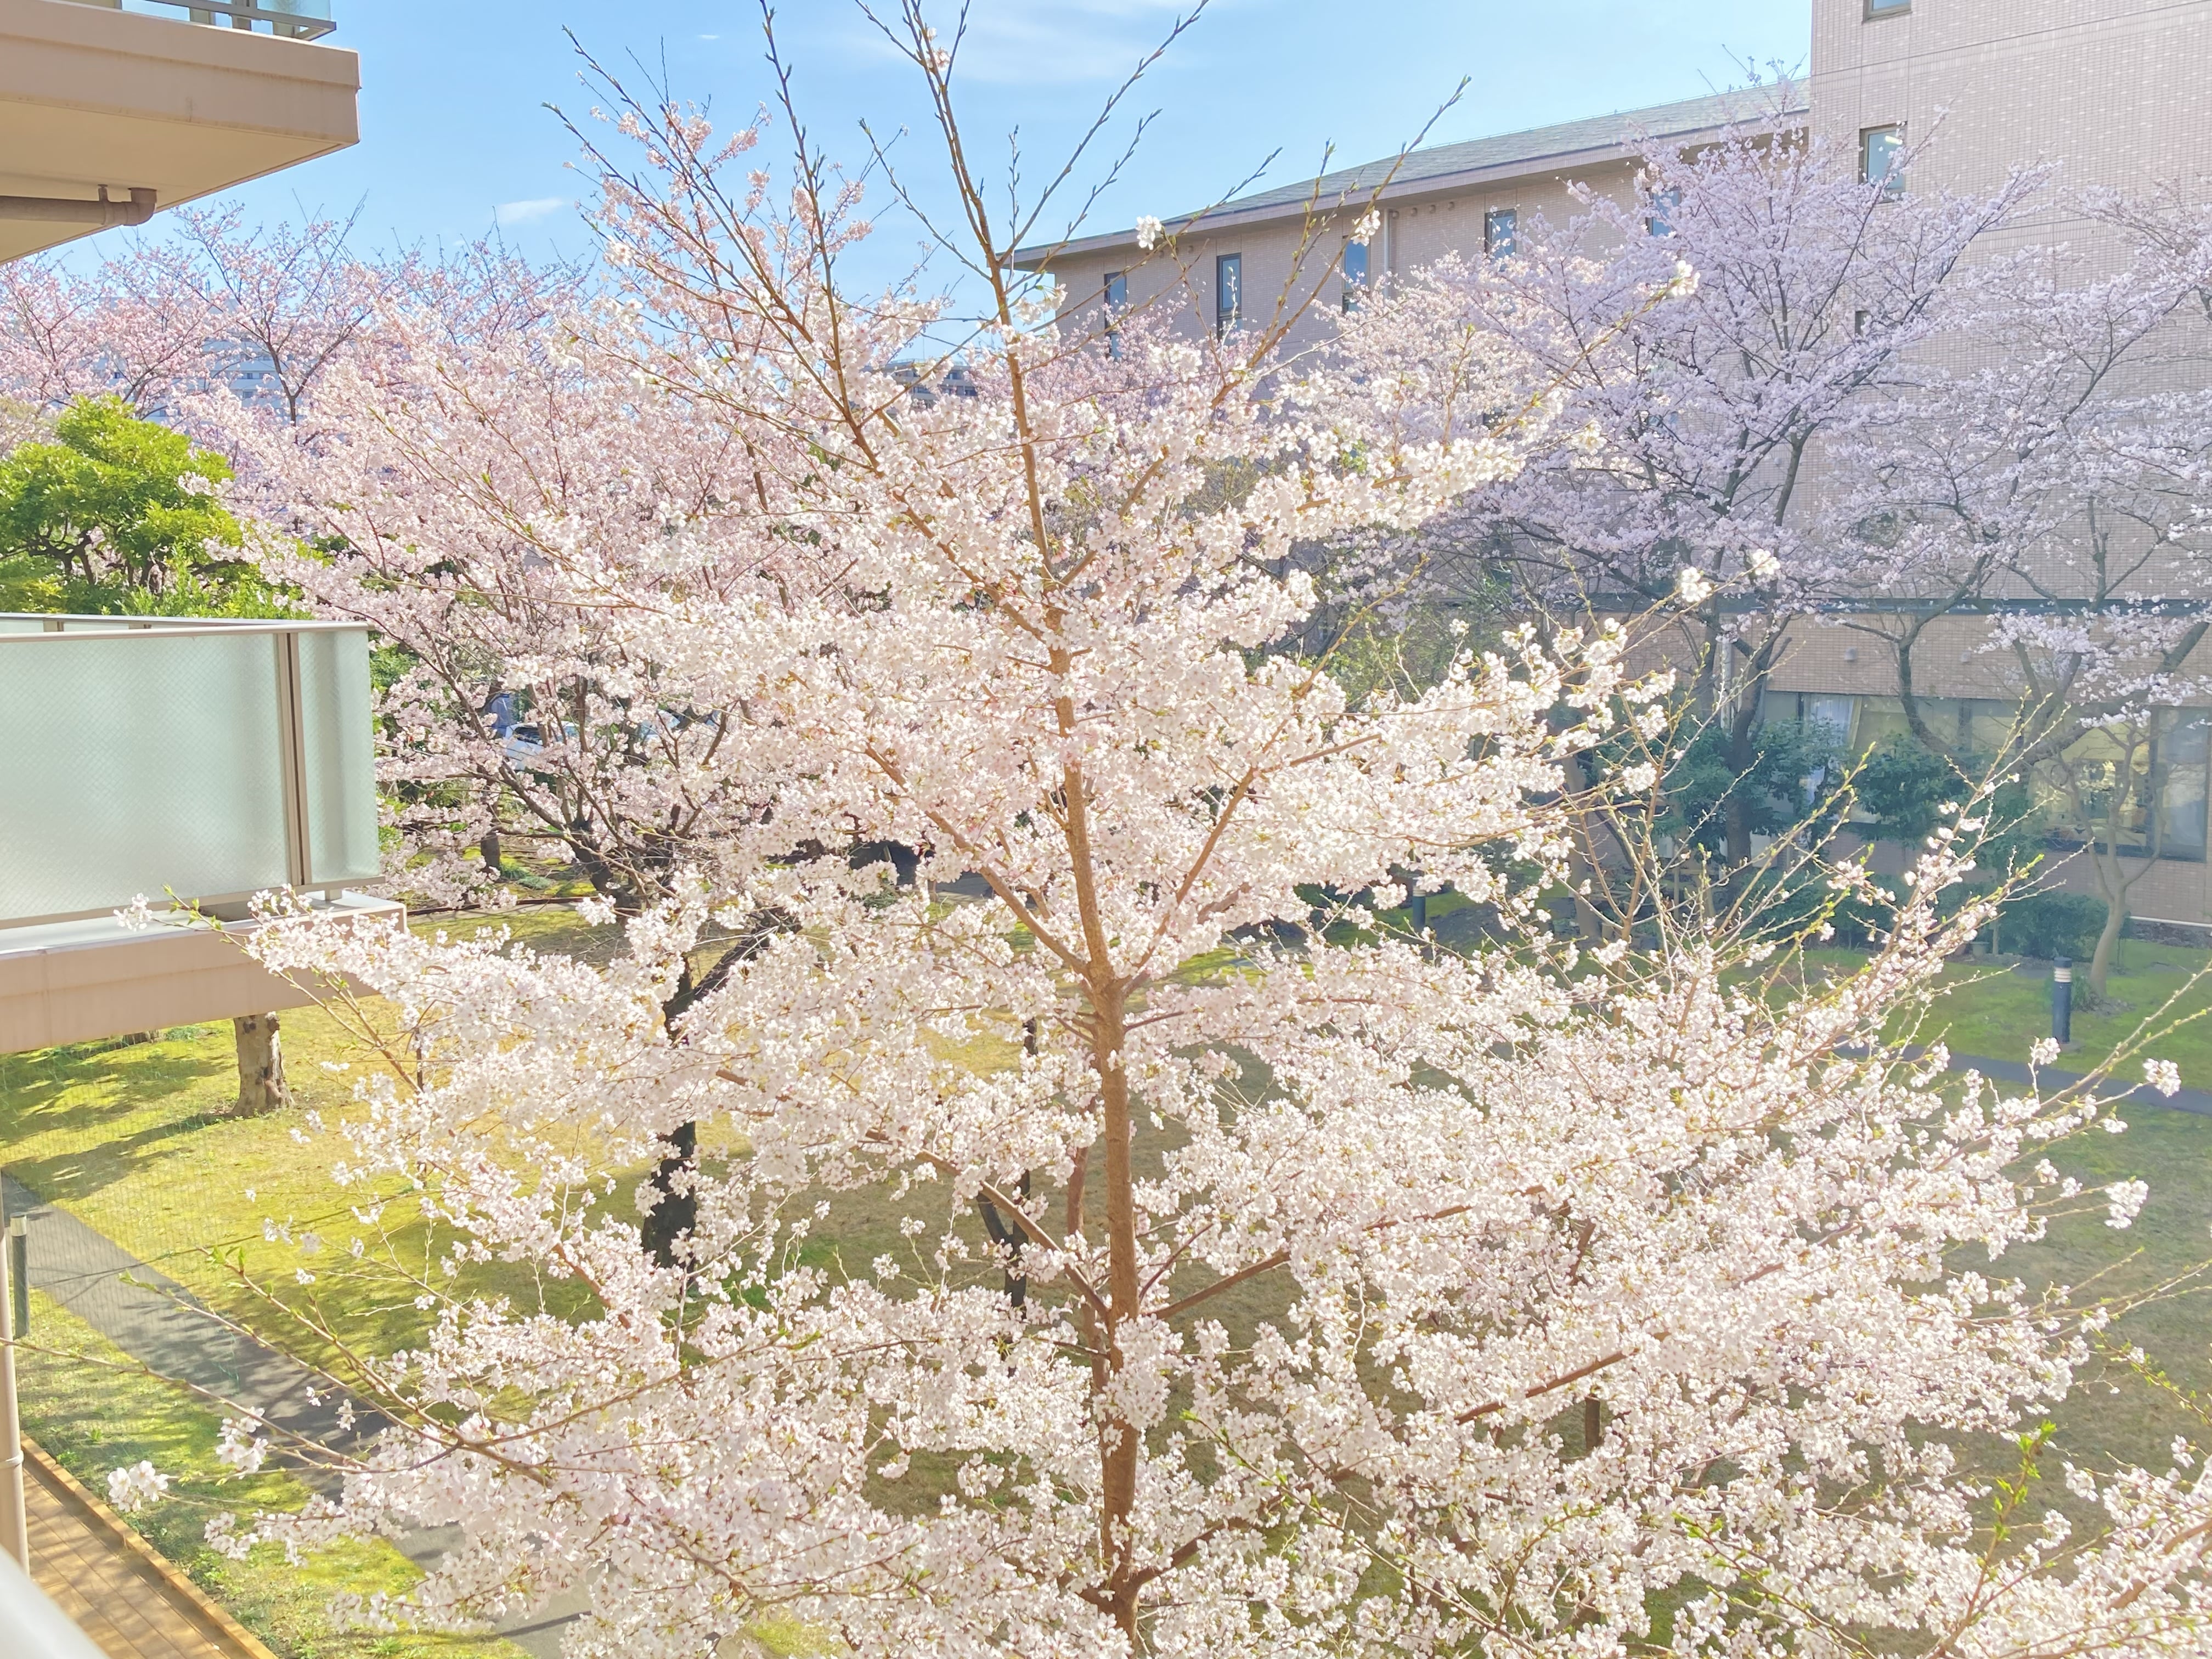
column 294, row 19
column 112, row 109
column 209, row 761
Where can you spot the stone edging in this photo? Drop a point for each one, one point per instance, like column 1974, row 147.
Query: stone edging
column 226, row 1631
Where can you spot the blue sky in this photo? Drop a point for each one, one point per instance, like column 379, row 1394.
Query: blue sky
column 455, row 137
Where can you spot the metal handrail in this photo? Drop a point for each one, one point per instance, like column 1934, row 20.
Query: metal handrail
column 297, row 20
column 56, row 623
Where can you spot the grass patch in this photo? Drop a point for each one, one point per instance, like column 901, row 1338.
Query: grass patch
column 136, row 1141
column 1997, row 1009
column 95, row 1413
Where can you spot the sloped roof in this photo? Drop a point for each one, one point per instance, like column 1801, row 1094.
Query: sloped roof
column 1621, row 131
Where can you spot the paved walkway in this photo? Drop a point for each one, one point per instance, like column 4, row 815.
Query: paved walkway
column 124, row 1596
column 2012, row 1070
column 160, row 1323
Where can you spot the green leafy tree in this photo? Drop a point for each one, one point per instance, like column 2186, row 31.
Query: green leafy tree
column 1791, row 780
column 121, row 515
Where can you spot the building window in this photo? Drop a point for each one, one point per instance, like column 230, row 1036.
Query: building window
column 1501, row 232
column 1659, row 221
column 2163, row 776
column 1882, row 159
column 1887, row 9
column 1355, row 273
column 1117, row 301
column 1228, row 291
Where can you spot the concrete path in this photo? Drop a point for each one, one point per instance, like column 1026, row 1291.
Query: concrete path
column 160, row 1323
column 2012, row 1070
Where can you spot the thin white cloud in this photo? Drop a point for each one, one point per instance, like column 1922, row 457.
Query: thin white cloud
column 522, row 213
column 1033, row 43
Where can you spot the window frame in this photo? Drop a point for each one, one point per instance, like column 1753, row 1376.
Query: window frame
column 1114, row 292
column 1876, row 12
column 1355, row 282
column 1495, row 246
column 1660, row 208
column 1892, row 182
column 1232, row 267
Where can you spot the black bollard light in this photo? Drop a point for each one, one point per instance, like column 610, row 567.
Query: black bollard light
column 1417, row 909
column 2062, row 1001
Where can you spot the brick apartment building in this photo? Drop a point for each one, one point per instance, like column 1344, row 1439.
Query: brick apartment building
column 2117, row 93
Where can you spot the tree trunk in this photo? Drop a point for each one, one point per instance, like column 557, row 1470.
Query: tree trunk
column 2100, row 963
column 1120, row 1446
column 1743, row 750
column 667, row 1228
column 261, row 1086
column 487, row 849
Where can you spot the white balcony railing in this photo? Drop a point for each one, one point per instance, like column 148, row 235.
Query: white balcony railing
column 300, row 20
column 209, row 759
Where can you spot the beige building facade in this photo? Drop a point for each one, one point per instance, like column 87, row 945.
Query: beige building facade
column 1291, row 250
column 2112, row 94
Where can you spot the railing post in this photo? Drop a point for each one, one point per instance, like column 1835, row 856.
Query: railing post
column 14, row 1525
column 292, row 734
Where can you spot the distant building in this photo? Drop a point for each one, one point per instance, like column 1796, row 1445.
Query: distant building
column 2118, row 93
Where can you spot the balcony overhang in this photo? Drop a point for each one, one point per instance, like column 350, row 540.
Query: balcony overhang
column 75, row 981
column 209, row 760
column 96, row 99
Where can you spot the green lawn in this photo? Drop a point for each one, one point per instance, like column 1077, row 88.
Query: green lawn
column 1998, row 1010
column 95, row 1413
column 135, row 1140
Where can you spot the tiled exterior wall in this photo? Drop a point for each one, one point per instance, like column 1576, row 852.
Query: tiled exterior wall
column 1418, row 232
column 2117, row 93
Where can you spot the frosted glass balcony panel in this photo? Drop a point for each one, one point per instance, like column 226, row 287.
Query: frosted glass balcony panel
column 139, row 763
column 337, row 742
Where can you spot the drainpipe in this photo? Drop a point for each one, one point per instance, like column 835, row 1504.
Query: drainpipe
column 72, row 210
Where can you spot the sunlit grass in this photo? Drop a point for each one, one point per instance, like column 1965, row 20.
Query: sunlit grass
column 95, row 1411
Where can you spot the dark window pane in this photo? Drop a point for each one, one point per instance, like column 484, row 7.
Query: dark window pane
column 1882, row 159
column 1660, row 222
column 1355, row 272
column 1228, row 291
column 2182, row 779
column 1501, row 232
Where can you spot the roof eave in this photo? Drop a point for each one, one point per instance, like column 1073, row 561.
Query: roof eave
column 1232, row 218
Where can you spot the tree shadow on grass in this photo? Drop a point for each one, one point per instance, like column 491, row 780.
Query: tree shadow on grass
column 115, row 1081
column 71, row 1176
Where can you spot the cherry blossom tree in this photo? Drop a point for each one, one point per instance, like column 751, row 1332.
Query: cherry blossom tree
column 449, row 491
column 214, row 306
column 1345, row 1298
column 2055, row 473
column 1716, row 436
